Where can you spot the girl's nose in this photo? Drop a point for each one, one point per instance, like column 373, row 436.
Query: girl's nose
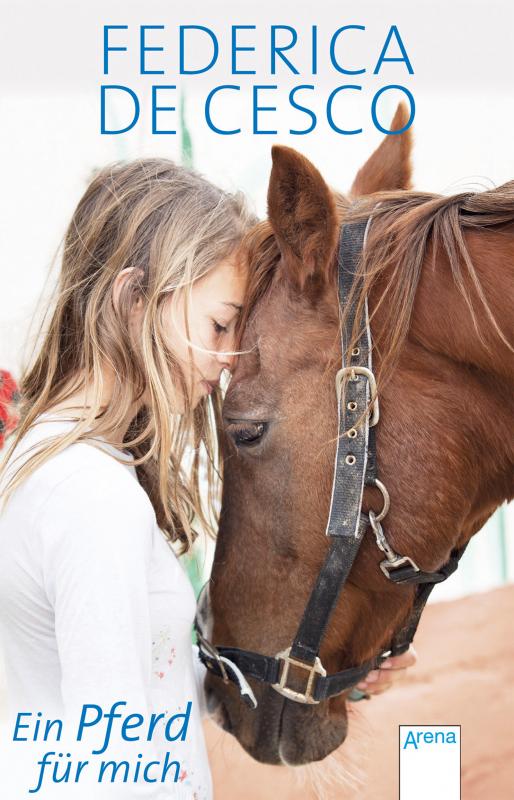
column 225, row 357
column 226, row 361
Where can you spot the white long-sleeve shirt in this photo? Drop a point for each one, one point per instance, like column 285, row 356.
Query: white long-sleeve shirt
column 95, row 607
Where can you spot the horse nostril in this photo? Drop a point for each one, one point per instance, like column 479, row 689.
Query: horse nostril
column 211, row 700
column 217, row 710
column 225, row 719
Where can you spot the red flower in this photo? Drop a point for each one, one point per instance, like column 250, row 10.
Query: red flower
column 9, row 399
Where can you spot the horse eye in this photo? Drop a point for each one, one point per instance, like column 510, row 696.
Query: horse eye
column 246, row 433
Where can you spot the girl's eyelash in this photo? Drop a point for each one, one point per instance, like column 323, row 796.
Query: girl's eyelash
column 219, row 328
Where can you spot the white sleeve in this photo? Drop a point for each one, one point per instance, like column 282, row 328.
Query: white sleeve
column 96, row 541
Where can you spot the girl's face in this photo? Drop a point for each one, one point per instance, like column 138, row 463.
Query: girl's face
column 201, row 327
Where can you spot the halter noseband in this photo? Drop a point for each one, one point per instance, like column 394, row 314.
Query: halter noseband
column 355, row 467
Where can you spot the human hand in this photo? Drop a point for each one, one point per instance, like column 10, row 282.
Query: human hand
column 391, row 671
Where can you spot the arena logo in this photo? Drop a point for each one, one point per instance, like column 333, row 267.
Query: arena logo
column 417, row 739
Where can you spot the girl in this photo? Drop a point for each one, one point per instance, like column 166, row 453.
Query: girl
column 103, row 475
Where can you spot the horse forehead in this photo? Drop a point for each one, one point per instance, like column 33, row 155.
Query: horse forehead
column 280, row 323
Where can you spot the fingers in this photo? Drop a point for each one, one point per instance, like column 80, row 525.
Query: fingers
column 377, row 681
column 407, row 659
column 391, row 671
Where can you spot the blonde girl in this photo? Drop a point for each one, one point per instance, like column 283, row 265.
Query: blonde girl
column 104, row 473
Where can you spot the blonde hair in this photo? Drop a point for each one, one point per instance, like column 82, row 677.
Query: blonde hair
column 172, row 226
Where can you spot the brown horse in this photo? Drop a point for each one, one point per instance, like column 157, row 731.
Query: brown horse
column 438, row 273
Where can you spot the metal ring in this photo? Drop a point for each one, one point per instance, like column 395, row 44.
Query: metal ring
column 386, row 499
column 352, row 406
column 355, row 351
column 350, row 459
column 352, row 433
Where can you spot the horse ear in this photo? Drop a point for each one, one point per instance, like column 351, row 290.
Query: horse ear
column 302, row 213
column 389, row 167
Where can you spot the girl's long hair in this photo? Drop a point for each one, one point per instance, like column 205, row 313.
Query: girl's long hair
column 172, row 226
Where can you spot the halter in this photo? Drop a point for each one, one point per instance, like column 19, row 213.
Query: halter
column 355, row 467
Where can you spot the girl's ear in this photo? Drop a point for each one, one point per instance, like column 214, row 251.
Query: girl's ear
column 302, row 213
column 120, row 281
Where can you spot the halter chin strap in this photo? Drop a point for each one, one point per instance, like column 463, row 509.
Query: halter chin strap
column 355, row 466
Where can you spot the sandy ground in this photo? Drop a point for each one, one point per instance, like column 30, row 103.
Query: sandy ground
column 464, row 675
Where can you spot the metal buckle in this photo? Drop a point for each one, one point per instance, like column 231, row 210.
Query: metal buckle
column 388, row 566
column 353, row 372
column 393, row 560
column 313, row 669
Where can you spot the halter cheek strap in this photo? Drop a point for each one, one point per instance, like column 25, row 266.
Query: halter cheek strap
column 355, row 465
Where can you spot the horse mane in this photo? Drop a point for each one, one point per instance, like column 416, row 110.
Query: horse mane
column 404, row 225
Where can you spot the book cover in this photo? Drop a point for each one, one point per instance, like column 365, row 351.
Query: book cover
column 355, row 162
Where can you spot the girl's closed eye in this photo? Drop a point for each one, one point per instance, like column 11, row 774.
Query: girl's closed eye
column 219, row 328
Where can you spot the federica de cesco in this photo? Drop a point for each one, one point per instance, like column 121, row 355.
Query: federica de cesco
column 266, row 80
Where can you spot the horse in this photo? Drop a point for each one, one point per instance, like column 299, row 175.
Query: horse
column 437, row 272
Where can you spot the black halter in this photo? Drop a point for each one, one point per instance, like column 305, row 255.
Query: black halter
column 355, row 466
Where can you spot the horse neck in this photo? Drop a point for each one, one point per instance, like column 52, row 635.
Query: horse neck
column 443, row 324
column 442, row 321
